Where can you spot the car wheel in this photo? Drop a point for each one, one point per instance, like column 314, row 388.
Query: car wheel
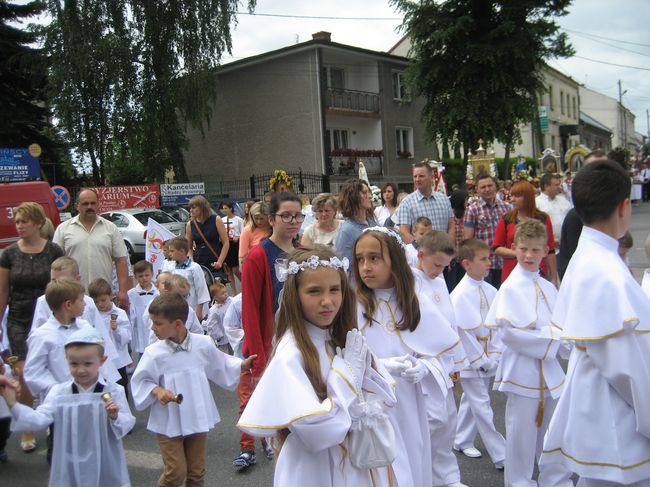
column 130, row 251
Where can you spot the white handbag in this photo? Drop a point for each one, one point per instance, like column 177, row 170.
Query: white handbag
column 372, row 438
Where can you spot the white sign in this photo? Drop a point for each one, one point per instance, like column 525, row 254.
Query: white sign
column 156, row 237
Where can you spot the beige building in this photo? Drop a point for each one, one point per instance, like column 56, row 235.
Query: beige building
column 612, row 114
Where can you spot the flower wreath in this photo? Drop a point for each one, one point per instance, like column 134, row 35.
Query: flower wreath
column 280, row 176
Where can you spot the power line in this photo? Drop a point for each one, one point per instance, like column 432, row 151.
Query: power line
column 319, row 17
column 611, row 64
column 606, row 38
column 612, row 45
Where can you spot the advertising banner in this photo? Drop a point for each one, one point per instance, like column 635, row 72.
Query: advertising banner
column 180, row 194
column 122, row 197
column 20, row 164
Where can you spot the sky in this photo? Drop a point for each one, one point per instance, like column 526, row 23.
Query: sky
column 625, row 24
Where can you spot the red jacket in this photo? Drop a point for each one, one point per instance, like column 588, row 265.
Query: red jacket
column 257, row 308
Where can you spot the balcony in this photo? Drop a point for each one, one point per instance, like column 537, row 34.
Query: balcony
column 352, row 100
column 345, row 162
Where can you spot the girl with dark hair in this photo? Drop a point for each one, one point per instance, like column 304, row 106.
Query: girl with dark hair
column 403, row 329
column 523, row 202
column 304, row 397
column 388, row 206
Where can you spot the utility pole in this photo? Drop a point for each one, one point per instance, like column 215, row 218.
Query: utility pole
column 623, row 117
column 647, row 121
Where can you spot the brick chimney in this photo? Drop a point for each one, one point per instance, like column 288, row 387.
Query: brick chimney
column 322, row 36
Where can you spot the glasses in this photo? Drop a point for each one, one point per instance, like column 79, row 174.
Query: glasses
column 288, row 217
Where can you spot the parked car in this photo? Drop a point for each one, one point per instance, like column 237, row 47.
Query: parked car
column 177, row 211
column 132, row 224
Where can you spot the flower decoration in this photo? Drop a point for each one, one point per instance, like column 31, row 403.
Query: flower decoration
column 280, row 176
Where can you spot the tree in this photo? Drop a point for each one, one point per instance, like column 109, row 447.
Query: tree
column 23, row 78
column 128, row 73
column 477, row 63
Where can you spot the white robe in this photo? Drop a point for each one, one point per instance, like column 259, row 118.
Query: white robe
column 431, row 341
column 313, row 453
column 46, row 364
column 87, row 448
column 232, row 326
column 137, row 306
column 192, row 323
column 522, row 311
column 213, row 325
column 121, row 336
column 187, row 373
column 199, row 293
column 601, row 426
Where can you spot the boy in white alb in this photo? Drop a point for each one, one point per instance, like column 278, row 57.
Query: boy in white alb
column 601, row 427
column 90, row 418
column 139, row 298
column 176, row 284
column 471, row 299
column 435, row 252
column 213, row 325
column 46, row 363
column 181, row 363
column 232, row 326
column 529, row 372
column 118, row 322
column 199, row 297
column 422, row 226
column 67, row 267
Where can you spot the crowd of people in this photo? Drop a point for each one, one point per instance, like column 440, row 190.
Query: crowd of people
column 353, row 325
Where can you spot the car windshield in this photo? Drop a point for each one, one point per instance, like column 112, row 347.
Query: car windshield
column 158, row 216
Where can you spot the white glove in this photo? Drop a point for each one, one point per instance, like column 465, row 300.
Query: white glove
column 396, row 365
column 489, row 366
column 416, row 372
column 355, row 354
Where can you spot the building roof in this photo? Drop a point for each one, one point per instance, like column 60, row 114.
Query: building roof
column 593, row 122
column 311, row 44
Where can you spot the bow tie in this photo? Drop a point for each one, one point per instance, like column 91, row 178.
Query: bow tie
column 184, row 265
column 146, row 293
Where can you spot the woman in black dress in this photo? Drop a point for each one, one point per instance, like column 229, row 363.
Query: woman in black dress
column 207, row 237
column 24, row 273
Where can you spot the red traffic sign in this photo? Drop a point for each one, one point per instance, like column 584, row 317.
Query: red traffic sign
column 61, row 197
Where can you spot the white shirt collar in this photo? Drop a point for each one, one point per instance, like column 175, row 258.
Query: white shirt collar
column 599, row 238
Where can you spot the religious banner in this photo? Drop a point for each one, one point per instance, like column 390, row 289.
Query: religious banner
column 156, row 236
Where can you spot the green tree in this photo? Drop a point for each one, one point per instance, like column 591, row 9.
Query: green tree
column 23, row 81
column 477, row 63
column 128, row 74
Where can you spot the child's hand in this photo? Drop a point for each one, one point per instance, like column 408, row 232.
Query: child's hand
column 112, row 409
column 163, row 395
column 247, row 364
column 455, row 376
column 10, row 390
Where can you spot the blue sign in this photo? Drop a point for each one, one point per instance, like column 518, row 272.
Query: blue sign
column 180, row 194
column 61, row 197
column 18, row 165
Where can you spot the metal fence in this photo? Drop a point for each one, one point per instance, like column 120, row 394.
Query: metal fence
column 255, row 186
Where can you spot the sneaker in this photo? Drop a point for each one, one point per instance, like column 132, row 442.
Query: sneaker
column 499, row 465
column 244, row 460
column 268, row 450
column 4, row 458
column 470, row 452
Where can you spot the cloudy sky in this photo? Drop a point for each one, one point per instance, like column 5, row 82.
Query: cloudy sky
column 622, row 27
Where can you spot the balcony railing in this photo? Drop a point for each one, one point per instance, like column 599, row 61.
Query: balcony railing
column 361, row 101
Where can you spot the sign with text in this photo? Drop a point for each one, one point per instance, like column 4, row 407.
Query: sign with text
column 180, row 194
column 543, row 118
column 122, row 197
column 19, row 165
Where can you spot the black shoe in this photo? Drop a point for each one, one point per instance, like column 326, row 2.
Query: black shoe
column 244, row 460
column 268, row 450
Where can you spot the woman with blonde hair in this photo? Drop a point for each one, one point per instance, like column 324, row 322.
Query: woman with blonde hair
column 24, row 273
column 326, row 227
column 207, row 236
column 256, row 228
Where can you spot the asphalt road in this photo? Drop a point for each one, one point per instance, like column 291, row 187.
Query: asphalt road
column 145, row 465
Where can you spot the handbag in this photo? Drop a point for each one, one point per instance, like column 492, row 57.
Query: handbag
column 218, row 273
column 371, row 438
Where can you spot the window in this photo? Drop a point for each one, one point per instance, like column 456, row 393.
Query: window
column 568, row 107
column 575, row 111
column 550, row 97
column 400, row 91
column 338, row 139
column 562, row 102
column 334, row 77
column 404, row 141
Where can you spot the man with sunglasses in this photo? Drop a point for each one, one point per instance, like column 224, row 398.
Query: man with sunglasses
column 260, row 293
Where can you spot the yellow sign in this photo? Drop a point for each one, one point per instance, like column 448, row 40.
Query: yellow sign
column 34, row 150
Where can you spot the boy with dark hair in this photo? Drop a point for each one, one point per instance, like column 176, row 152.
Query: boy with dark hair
column 199, row 296
column 471, row 300
column 87, row 453
column 601, row 429
column 260, row 292
column 529, row 372
column 172, row 379
column 422, row 227
column 139, row 298
column 117, row 322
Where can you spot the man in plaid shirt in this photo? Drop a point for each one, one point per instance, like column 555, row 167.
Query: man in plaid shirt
column 481, row 218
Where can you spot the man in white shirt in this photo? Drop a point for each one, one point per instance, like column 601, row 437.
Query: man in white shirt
column 645, row 176
column 553, row 203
